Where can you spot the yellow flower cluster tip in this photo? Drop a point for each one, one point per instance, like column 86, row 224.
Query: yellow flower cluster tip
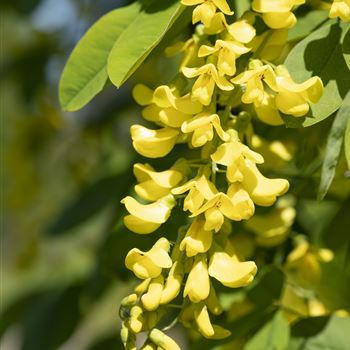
column 180, row 274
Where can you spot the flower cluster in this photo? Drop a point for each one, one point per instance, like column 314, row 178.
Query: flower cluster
column 180, row 274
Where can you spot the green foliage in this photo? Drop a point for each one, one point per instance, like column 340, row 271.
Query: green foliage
column 320, row 333
column 334, row 146
column 140, row 37
column 274, row 335
column 85, row 74
column 318, row 54
column 347, row 143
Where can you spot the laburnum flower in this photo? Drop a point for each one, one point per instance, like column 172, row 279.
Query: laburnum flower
column 208, row 77
column 277, row 13
column 242, row 30
column 149, row 264
column 233, row 155
column 293, row 98
column 228, row 270
column 173, row 283
column 197, row 239
column 151, row 299
column 254, row 80
column 154, row 185
column 341, row 9
column 201, row 127
column 206, row 9
column 235, row 205
column 204, row 325
column 162, row 340
column 153, row 143
column 199, row 189
column 164, row 107
column 273, row 228
column 227, row 51
column 197, row 285
column 289, row 98
column 146, row 218
column 241, row 167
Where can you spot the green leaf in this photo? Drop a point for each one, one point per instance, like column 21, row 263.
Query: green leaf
column 140, row 37
column 85, row 73
column 318, row 55
column 347, row 143
column 346, row 48
column 333, row 148
column 316, row 333
column 274, row 335
column 307, row 24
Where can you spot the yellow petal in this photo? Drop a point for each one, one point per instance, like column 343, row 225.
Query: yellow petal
column 278, row 20
column 167, row 179
column 157, row 212
column 223, row 7
column 162, row 340
column 229, row 272
column 173, row 283
column 272, row 5
column 140, row 226
column 262, row 190
column 197, row 239
column 268, row 112
column 153, row 143
column 198, row 285
column 242, row 31
column 151, row 191
column 142, row 94
column 151, row 113
column 204, row 13
column 202, row 319
column 292, row 103
column 151, row 299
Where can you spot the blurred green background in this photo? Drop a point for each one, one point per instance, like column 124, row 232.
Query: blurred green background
column 63, row 176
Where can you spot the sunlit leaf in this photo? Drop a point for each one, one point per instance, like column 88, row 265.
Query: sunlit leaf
column 138, row 39
column 334, row 146
column 85, row 73
column 318, row 55
column 274, row 335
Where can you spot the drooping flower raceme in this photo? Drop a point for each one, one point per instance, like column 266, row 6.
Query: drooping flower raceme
column 220, row 182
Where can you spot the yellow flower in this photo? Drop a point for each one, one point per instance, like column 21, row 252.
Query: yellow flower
column 242, row 30
column 164, row 107
column 293, row 98
column 173, row 283
column 341, row 9
column 208, row 76
column 153, row 143
column 273, row 228
column 146, row 218
column 254, row 78
column 277, row 13
column 228, row 52
column 199, row 190
column 151, row 299
column 235, row 205
column 155, row 185
column 263, row 191
column 206, row 9
column 205, row 327
column 149, row 264
column 233, row 155
column 202, row 127
column 229, row 270
column 162, row 340
column 197, row 286
column 197, row 239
